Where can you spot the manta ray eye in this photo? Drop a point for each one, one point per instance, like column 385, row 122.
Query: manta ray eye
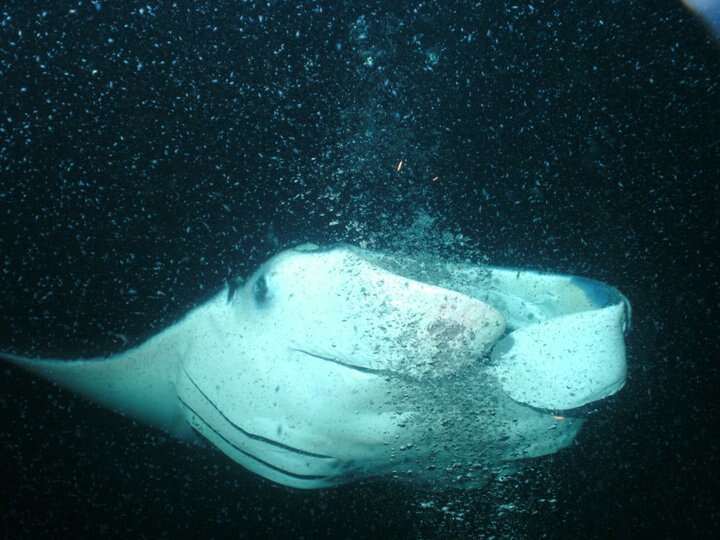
column 260, row 291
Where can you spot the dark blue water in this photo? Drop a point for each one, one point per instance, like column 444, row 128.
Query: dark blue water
column 149, row 152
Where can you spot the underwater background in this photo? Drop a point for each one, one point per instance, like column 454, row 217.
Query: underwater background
column 150, row 152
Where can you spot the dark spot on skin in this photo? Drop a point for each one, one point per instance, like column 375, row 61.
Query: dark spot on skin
column 445, row 330
column 260, row 291
column 503, row 346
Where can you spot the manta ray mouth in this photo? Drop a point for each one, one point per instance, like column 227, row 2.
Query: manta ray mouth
column 361, row 369
column 249, row 436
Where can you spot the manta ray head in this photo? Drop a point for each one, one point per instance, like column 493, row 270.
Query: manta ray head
column 338, row 305
column 313, row 327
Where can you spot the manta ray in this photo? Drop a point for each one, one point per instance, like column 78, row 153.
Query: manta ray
column 334, row 364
